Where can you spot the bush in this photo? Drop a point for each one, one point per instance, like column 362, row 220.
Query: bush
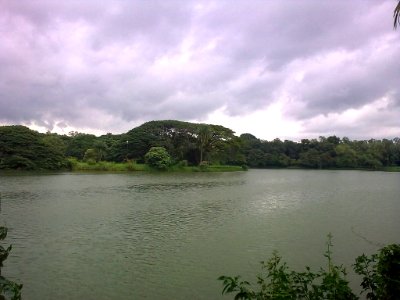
column 381, row 273
column 17, row 162
column 158, row 158
column 381, row 279
column 182, row 163
column 203, row 165
column 8, row 289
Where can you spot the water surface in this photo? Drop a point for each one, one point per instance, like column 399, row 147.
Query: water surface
column 169, row 236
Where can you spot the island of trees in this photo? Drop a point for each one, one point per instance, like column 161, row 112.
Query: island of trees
column 177, row 143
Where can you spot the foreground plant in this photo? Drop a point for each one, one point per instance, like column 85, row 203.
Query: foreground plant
column 8, row 289
column 381, row 274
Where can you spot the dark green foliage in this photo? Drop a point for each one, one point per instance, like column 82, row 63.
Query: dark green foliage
column 78, row 143
column 331, row 152
column 158, row 158
column 91, row 156
column 183, row 140
column 25, row 149
column 380, row 273
column 22, row 148
column 381, row 279
column 8, row 289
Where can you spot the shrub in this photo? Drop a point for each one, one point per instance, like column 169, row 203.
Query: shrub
column 381, row 279
column 158, row 158
column 8, row 289
column 381, row 273
column 203, row 165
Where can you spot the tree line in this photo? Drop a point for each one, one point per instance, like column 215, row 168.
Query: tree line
column 190, row 144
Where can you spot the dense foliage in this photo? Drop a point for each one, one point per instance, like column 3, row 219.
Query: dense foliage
column 330, row 152
column 158, row 158
column 191, row 144
column 8, row 289
column 380, row 279
column 22, row 148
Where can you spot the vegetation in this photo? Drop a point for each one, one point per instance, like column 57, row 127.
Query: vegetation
column 22, row 148
column 8, row 289
column 380, row 279
column 158, row 158
column 76, row 165
column 188, row 145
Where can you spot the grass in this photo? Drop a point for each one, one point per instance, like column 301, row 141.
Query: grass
column 392, row 169
column 132, row 166
column 106, row 166
column 210, row 168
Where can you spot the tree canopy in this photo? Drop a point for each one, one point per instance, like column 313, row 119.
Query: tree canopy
column 192, row 144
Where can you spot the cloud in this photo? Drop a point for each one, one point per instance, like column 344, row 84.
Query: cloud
column 112, row 66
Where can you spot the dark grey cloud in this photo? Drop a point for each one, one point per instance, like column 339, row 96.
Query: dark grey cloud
column 94, row 65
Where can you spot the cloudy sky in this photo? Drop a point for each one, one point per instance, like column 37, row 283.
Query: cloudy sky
column 276, row 69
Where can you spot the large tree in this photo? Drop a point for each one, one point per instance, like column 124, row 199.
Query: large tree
column 23, row 148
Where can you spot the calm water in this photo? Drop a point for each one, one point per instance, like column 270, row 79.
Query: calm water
column 169, row 236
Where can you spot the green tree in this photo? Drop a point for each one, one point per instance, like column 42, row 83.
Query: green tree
column 78, row 143
column 204, row 140
column 23, row 148
column 346, row 157
column 101, row 149
column 90, row 156
column 211, row 139
column 158, row 158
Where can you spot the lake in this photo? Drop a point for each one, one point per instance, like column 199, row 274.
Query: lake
column 169, row 236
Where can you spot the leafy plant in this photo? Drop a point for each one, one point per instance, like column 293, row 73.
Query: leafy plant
column 381, row 273
column 158, row 158
column 381, row 279
column 8, row 289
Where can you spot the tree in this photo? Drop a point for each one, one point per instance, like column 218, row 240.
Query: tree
column 101, row 149
column 26, row 149
column 90, row 156
column 78, row 143
column 346, row 156
column 158, row 158
column 396, row 15
column 204, row 139
column 211, row 138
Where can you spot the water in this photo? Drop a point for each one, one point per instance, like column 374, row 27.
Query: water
column 169, row 236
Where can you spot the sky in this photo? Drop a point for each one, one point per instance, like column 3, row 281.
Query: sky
column 276, row 69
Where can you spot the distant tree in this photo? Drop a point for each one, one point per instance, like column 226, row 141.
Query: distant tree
column 90, row 156
column 204, row 139
column 101, row 149
column 78, row 143
column 23, row 148
column 211, row 139
column 345, row 156
column 158, row 158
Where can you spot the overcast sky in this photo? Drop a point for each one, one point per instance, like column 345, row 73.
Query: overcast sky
column 276, row 69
